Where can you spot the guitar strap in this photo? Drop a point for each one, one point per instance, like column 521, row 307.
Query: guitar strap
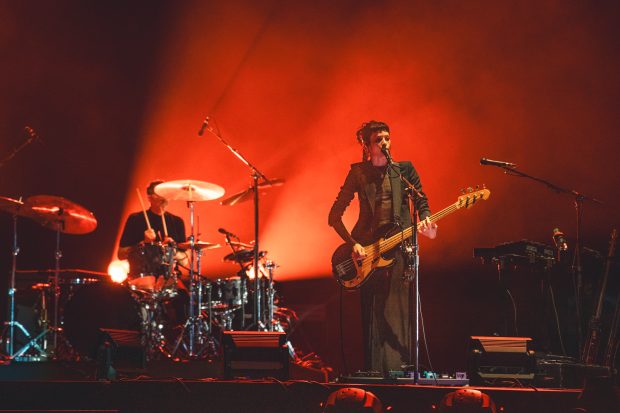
column 397, row 194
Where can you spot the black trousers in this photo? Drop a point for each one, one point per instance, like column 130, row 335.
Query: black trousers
column 385, row 318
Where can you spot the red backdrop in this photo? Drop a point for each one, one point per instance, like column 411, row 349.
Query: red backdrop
column 289, row 83
column 118, row 91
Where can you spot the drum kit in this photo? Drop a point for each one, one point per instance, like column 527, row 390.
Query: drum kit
column 176, row 315
column 64, row 217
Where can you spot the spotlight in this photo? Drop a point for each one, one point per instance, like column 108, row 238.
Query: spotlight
column 118, row 270
column 467, row 401
column 119, row 350
column 352, row 400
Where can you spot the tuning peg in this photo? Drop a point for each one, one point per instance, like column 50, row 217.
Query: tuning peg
column 477, row 187
column 470, row 189
column 462, row 191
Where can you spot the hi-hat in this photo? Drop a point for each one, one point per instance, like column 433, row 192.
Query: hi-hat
column 59, row 214
column 189, row 190
column 249, row 193
column 198, row 245
column 10, row 205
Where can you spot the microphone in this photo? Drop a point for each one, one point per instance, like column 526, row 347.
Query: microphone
column 229, row 234
column 559, row 239
column 386, row 152
column 501, row 164
column 32, row 135
column 204, row 126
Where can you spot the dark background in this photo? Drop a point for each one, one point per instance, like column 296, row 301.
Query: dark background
column 117, row 90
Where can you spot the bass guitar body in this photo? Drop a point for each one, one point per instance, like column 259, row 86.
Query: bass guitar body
column 354, row 273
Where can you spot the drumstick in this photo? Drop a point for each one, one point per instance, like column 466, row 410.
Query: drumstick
column 146, row 217
column 163, row 221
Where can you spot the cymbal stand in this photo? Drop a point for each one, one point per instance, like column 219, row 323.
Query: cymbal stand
column 199, row 297
column 195, row 330
column 259, row 320
column 57, row 257
column 11, row 324
column 270, row 266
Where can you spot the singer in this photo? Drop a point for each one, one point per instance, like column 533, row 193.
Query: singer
column 383, row 203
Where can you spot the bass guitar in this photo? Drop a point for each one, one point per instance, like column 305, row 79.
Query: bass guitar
column 352, row 273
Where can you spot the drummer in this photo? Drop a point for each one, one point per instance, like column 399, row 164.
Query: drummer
column 137, row 233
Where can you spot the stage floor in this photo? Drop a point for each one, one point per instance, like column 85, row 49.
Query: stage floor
column 49, row 386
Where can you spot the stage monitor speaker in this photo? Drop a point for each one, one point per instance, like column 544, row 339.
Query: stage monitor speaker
column 119, row 350
column 255, row 354
column 493, row 359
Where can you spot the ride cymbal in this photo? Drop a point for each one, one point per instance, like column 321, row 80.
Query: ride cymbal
column 189, row 190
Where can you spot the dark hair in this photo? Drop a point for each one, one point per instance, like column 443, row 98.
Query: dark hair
column 364, row 133
column 150, row 190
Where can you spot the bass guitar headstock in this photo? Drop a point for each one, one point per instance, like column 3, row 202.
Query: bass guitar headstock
column 470, row 196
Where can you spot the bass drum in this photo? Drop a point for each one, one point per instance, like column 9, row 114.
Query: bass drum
column 96, row 306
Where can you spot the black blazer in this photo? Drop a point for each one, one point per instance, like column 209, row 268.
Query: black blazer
column 358, row 181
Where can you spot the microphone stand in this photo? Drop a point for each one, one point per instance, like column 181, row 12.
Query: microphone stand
column 412, row 271
column 579, row 199
column 31, row 137
column 256, row 175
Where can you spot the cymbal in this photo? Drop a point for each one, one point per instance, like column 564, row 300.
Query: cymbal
column 243, row 256
column 10, row 205
column 189, row 190
column 240, row 244
column 199, row 245
column 59, row 214
column 249, row 193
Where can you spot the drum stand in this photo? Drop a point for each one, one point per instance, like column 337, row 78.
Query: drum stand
column 9, row 329
column 196, row 331
column 270, row 266
column 56, row 329
column 274, row 325
column 57, row 256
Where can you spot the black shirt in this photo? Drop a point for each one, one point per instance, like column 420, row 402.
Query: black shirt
column 133, row 233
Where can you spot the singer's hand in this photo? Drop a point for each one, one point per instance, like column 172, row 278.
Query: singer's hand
column 358, row 252
column 428, row 228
